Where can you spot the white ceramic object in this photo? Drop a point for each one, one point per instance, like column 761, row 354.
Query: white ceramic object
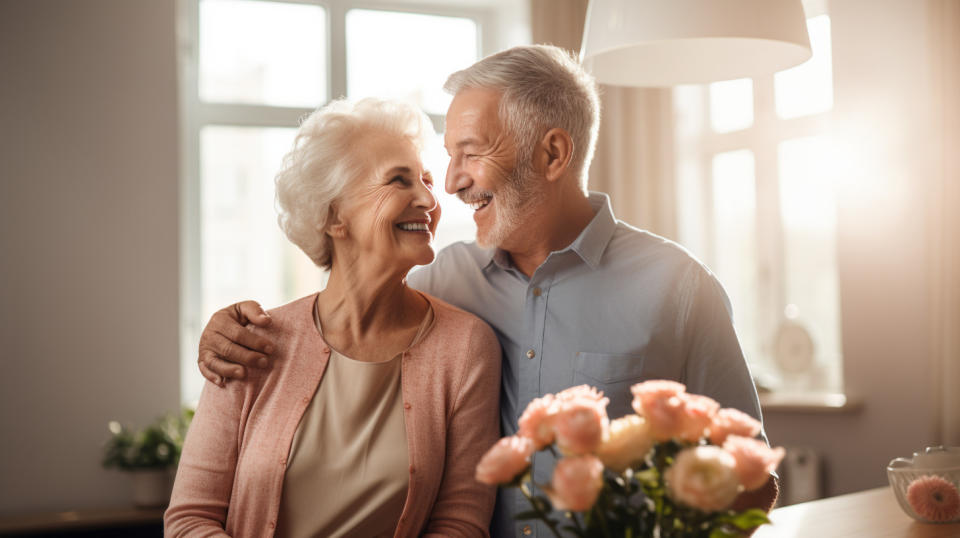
column 933, row 461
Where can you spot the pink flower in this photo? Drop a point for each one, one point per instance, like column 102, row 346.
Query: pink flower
column 576, row 483
column 662, row 404
column 583, row 392
column 698, row 414
column 671, row 412
column 658, row 388
column 627, row 442
column 934, row 498
column 505, row 460
column 536, row 423
column 580, row 420
column 754, row 460
column 703, row 477
column 729, row 421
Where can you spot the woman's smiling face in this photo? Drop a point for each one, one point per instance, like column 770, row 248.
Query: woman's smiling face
column 389, row 213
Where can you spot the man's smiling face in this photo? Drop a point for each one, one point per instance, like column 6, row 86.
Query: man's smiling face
column 483, row 169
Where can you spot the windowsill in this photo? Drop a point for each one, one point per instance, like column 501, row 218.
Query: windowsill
column 828, row 403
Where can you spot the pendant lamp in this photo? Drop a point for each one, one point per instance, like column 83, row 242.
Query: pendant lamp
column 668, row 42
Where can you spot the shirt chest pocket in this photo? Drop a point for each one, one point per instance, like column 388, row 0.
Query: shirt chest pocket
column 611, row 373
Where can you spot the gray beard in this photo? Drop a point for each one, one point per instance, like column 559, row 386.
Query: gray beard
column 519, row 195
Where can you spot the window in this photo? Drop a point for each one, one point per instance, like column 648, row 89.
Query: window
column 757, row 204
column 251, row 69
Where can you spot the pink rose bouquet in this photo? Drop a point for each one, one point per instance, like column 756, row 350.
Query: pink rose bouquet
column 673, row 469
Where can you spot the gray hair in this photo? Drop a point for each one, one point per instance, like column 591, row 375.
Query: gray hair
column 326, row 156
column 543, row 87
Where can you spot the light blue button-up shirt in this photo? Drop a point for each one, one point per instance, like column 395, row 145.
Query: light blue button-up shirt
column 617, row 306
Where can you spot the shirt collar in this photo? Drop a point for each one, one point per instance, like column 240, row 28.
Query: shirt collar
column 593, row 240
column 589, row 245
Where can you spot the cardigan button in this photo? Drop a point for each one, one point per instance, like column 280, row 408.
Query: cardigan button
column 407, row 405
column 526, row 530
column 273, row 524
column 412, row 470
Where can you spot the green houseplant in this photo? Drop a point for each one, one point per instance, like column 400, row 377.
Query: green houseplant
column 148, row 455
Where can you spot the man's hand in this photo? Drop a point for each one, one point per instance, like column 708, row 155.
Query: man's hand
column 227, row 346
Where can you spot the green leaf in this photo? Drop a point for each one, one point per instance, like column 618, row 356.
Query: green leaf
column 749, row 519
column 723, row 533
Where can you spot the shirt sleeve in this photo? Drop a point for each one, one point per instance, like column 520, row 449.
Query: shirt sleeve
column 201, row 492
column 715, row 365
column 464, row 506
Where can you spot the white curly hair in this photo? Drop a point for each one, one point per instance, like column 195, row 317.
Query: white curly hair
column 326, row 157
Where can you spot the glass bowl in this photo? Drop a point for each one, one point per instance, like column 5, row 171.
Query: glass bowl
column 935, row 477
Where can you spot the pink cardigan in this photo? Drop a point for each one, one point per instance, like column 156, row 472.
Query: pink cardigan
column 231, row 472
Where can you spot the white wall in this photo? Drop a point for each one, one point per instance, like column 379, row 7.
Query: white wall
column 88, row 241
column 883, row 102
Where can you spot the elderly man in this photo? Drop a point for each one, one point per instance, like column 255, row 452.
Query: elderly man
column 574, row 295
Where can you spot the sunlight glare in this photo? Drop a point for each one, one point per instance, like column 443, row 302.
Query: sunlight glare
column 267, row 53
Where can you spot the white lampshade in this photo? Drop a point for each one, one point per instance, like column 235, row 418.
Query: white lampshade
column 667, row 42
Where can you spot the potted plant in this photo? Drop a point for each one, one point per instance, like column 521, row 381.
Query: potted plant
column 148, row 455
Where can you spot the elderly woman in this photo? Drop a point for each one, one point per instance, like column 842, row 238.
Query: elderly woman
column 381, row 399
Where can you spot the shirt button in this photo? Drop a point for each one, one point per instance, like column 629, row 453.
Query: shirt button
column 527, row 531
column 531, row 353
column 536, row 292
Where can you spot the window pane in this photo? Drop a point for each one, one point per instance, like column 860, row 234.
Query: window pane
column 244, row 254
column 456, row 220
column 407, row 56
column 808, row 210
column 808, row 88
column 734, row 240
column 731, row 105
column 268, row 53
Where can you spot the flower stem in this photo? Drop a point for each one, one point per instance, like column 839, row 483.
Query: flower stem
column 536, row 506
column 576, row 523
column 603, row 522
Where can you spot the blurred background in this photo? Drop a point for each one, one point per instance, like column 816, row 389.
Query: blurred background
column 138, row 143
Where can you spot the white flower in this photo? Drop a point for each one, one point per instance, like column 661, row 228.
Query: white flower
column 703, row 477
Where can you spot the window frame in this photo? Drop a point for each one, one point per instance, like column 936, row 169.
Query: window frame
column 762, row 138
column 196, row 114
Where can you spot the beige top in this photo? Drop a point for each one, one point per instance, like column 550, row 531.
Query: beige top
column 347, row 472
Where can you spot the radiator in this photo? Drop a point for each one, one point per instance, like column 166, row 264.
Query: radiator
column 802, row 476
